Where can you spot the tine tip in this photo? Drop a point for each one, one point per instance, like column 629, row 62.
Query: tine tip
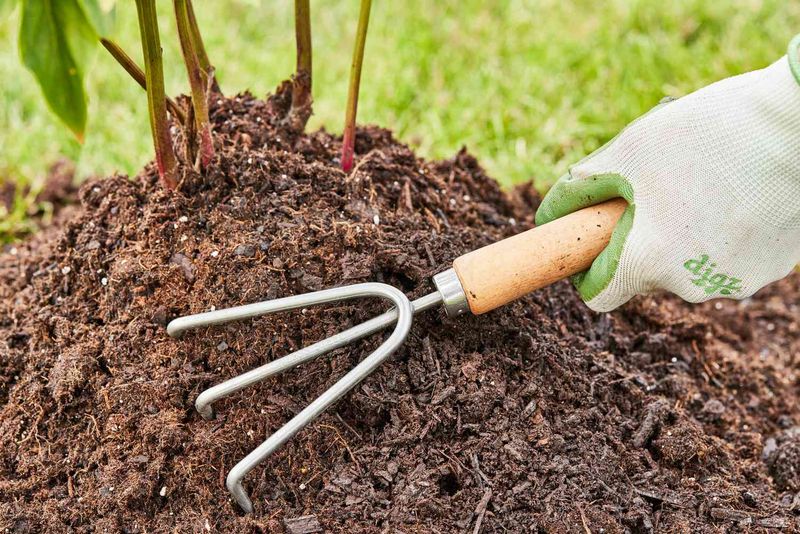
column 174, row 328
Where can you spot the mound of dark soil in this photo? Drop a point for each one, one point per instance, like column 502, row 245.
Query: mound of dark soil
column 541, row 416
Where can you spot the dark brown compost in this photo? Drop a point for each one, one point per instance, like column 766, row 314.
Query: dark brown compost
column 539, row 417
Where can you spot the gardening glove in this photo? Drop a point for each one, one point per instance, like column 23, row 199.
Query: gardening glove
column 712, row 182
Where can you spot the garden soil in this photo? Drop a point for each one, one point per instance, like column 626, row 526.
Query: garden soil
column 541, row 416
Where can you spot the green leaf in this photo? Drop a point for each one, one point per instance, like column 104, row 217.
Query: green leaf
column 100, row 14
column 56, row 40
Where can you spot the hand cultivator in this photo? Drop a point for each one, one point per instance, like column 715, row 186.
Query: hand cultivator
column 478, row 282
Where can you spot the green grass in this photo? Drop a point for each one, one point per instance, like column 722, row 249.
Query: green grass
column 529, row 86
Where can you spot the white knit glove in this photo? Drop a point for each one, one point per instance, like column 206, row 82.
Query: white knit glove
column 713, row 186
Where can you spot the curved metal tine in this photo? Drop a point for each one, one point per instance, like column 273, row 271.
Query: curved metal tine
column 405, row 315
column 178, row 326
column 207, row 398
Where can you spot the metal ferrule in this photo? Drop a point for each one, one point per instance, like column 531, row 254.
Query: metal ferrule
column 453, row 297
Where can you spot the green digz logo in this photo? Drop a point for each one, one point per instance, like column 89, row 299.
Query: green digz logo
column 710, row 281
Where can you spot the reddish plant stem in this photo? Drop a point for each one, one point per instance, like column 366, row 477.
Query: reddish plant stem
column 197, row 81
column 200, row 47
column 156, row 98
column 189, row 136
column 301, row 83
column 137, row 74
column 349, row 135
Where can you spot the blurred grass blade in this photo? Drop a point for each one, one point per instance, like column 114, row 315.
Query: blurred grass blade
column 55, row 39
column 15, row 219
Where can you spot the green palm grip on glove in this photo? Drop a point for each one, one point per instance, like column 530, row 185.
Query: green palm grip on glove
column 569, row 195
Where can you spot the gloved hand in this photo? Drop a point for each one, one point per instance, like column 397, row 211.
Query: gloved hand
column 713, row 186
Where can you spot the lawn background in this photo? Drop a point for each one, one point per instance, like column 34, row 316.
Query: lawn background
column 529, row 86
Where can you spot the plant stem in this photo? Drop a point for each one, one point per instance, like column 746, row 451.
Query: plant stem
column 301, row 84
column 137, row 74
column 197, row 81
column 349, row 136
column 200, row 48
column 156, row 99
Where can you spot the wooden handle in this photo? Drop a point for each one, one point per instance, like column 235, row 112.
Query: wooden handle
column 504, row 271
